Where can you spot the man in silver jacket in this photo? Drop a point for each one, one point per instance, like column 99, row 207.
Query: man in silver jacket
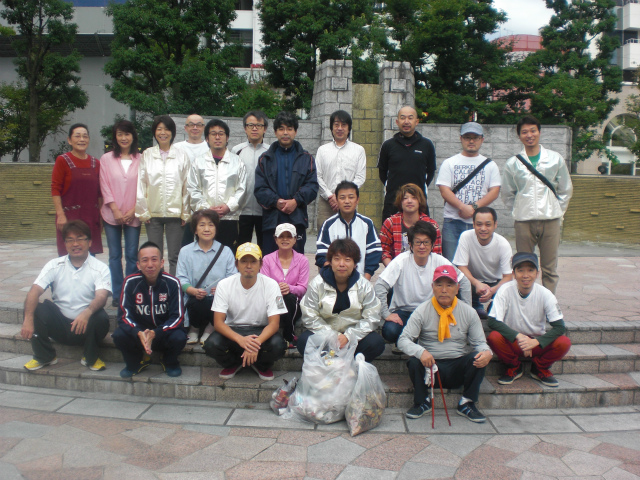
column 340, row 299
column 537, row 211
column 217, row 180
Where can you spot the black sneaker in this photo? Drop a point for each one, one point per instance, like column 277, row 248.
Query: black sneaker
column 419, row 410
column 470, row 411
column 512, row 375
column 543, row 376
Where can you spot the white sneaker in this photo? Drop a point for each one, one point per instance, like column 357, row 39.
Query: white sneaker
column 192, row 338
column 204, row 337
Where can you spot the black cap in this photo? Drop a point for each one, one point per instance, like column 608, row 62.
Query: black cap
column 522, row 257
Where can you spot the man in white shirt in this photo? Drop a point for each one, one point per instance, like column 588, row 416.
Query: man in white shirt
column 462, row 200
column 338, row 161
column 484, row 257
column 255, row 125
column 246, row 317
column 193, row 146
column 80, row 286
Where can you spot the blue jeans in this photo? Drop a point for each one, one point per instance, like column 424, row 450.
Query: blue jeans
column 392, row 330
column 475, row 298
column 451, row 231
column 114, row 242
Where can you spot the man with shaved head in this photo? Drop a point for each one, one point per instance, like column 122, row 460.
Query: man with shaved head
column 407, row 157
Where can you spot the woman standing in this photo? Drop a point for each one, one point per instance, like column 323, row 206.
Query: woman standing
column 162, row 199
column 291, row 270
column 75, row 188
column 198, row 281
column 119, row 183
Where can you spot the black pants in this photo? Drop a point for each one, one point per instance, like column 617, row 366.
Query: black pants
column 227, row 352
column 227, row 234
column 187, row 235
column 170, row 343
column 454, row 373
column 288, row 320
column 246, row 224
column 270, row 245
column 200, row 314
column 49, row 322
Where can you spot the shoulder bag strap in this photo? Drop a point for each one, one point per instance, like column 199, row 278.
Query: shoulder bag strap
column 461, row 185
column 213, row 262
column 537, row 174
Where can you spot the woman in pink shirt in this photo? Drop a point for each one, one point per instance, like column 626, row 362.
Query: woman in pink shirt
column 118, row 182
column 291, row 270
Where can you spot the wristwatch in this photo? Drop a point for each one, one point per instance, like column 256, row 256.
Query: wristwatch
column 474, row 205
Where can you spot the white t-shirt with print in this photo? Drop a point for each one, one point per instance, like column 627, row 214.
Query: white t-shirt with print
column 525, row 315
column 455, row 169
column 487, row 263
column 248, row 307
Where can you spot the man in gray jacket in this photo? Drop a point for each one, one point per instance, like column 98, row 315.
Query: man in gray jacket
column 443, row 327
column 537, row 208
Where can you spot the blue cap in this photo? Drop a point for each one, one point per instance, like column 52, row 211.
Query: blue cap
column 522, row 257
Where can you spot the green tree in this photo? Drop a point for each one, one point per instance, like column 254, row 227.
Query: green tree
column 49, row 77
column 456, row 68
column 574, row 84
column 174, row 56
column 258, row 96
column 301, row 34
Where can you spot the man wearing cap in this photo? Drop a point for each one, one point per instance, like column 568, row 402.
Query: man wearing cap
column 152, row 317
column 443, row 327
column 517, row 319
column 462, row 199
column 537, row 188
column 246, row 316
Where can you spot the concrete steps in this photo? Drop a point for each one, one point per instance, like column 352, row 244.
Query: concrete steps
column 601, row 369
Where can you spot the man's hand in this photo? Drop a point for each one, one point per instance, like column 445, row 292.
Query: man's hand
column 342, row 340
column 61, row 219
column 483, row 291
column 289, row 206
column 427, row 359
column 526, row 344
column 333, row 203
column 395, row 318
column 27, row 328
column 146, row 338
column 249, row 358
column 79, row 325
column 221, row 210
column 284, row 288
column 482, row 359
column 250, row 343
column 466, row 211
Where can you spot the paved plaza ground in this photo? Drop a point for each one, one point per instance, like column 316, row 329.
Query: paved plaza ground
column 59, row 434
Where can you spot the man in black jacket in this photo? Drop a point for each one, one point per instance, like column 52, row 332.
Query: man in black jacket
column 407, row 157
column 286, row 182
column 153, row 314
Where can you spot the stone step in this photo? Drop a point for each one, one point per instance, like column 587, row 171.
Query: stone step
column 580, row 333
column 588, row 358
column 203, row 383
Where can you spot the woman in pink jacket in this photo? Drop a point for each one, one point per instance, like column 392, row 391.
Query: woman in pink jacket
column 291, row 270
column 118, row 182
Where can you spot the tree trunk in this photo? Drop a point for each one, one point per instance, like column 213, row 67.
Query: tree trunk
column 34, row 134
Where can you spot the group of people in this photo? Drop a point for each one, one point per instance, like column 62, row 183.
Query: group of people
column 208, row 200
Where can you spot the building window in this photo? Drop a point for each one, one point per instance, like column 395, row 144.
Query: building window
column 244, row 4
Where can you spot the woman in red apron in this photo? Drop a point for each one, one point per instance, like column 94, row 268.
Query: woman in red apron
column 75, row 188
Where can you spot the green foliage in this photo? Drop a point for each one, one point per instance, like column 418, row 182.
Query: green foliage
column 573, row 86
column 174, row 56
column 301, row 34
column 258, row 96
column 633, row 122
column 456, row 68
column 6, row 31
column 49, row 77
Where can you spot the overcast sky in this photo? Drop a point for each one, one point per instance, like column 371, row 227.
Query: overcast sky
column 525, row 17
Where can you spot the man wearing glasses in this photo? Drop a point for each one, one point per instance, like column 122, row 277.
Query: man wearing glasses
column 80, row 286
column 255, row 125
column 410, row 274
column 482, row 186
column 193, row 147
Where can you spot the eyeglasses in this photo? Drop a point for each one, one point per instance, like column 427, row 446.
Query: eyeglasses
column 472, row 137
column 80, row 136
column 425, row 243
column 71, row 241
column 191, row 125
column 252, row 126
column 217, row 134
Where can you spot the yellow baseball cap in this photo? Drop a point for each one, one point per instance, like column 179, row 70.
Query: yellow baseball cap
column 249, row 249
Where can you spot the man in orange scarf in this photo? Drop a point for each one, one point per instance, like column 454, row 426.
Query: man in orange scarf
column 444, row 329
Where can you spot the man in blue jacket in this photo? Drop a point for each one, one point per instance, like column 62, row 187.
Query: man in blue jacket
column 153, row 314
column 286, row 182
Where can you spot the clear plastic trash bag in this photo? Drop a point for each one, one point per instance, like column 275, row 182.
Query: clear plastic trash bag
column 368, row 400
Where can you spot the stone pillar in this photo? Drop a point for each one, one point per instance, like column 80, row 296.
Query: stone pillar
column 332, row 90
column 398, row 89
